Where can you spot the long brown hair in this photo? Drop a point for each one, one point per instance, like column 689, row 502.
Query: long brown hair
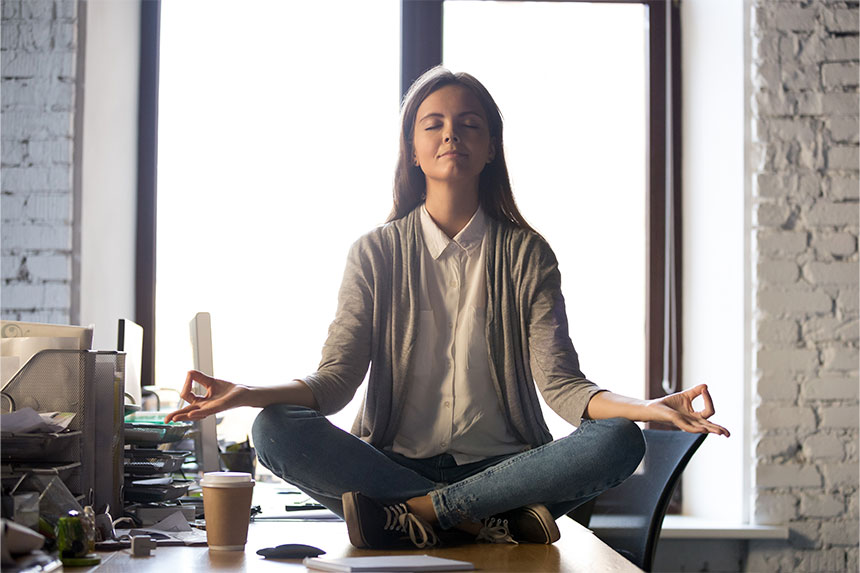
column 494, row 187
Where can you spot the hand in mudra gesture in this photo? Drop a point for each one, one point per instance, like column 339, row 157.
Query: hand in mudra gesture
column 678, row 409
column 220, row 395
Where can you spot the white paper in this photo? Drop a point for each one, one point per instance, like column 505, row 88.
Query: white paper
column 27, row 420
column 174, row 527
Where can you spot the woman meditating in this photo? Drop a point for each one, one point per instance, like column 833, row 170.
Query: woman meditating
column 455, row 305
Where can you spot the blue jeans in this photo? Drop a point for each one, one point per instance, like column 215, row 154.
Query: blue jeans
column 302, row 447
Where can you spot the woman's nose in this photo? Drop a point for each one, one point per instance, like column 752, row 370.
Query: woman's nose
column 451, row 136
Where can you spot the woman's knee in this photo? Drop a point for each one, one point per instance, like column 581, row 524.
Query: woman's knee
column 276, row 421
column 629, row 437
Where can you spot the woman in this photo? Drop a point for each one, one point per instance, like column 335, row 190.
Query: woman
column 455, row 304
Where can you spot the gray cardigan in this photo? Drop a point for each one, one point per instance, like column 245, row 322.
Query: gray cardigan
column 377, row 321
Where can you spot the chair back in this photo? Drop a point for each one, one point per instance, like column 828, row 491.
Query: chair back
column 629, row 517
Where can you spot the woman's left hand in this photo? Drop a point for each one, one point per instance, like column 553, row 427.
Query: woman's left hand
column 678, row 409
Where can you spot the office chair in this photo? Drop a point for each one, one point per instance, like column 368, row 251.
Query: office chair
column 629, row 516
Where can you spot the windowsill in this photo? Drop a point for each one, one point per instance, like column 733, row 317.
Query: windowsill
column 687, row 527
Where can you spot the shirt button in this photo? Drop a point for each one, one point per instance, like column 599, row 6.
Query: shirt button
column 447, row 404
column 452, row 283
column 450, row 325
column 444, row 444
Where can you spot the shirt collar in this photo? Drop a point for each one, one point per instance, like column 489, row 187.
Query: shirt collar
column 468, row 239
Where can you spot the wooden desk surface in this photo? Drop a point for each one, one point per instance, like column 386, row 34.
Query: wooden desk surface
column 577, row 550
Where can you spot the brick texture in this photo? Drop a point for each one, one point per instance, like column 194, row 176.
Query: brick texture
column 805, row 109
column 38, row 48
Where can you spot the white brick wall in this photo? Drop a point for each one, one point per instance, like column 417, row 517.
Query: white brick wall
column 805, row 106
column 37, row 62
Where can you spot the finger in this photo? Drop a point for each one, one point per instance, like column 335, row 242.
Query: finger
column 708, row 411
column 187, row 394
column 181, row 414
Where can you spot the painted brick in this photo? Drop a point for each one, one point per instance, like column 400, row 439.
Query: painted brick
column 842, row 532
column 843, row 157
column 820, row 328
column 848, row 300
column 830, row 560
column 841, row 47
column 782, row 302
column 12, row 206
column 34, row 125
column 837, row 474
column 835, row 273
column 777, row 446
column 787, row 475
column 797, row 76
column 772, row 416
column 787, row 359
column 778, row 330
column 841, row 104
column 40, row 237
column 32, row 65
column 36, row 93
column 43, row 295
column 37, row 9
column 837, row 244
column 840, row 19
column 840, row 75
column 778, row 272
column 771, row 214
column 50, row 267
column 53, row 151
column 823, row 445
column 809, row 103
column 780, row 103
column 775, row 387
column 810, row 185
column 52, row 316
column 840, row 416
column 9, row 266
column 795, row 19
column 849, row 331
column 774, row 184
column 821, row 504
column 37, row 178
column 805, row 534
column 772, row 242
column 791, row 129
column 841, row 358
column 845, row 129
column 836, row 214
column 775, row 508
column 12, row 153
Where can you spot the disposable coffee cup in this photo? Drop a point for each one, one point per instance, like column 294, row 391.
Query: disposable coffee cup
column 227, row 505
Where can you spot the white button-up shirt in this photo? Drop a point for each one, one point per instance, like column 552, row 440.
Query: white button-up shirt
column 452, row 405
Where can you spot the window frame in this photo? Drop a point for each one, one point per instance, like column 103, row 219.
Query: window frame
column 421, row 49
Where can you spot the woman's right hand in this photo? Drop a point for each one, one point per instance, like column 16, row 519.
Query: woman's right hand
column 220, row 395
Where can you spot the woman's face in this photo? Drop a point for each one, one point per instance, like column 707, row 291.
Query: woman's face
column 451, row 140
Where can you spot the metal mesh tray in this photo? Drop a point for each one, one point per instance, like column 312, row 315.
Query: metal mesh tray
column 149, row 462
column 62, row 446
column 144, row 434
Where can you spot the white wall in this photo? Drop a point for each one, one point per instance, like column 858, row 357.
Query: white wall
column 715, row 259
column 109, row 166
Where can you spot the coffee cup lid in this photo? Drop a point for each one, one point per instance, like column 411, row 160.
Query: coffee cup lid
column 226, row 479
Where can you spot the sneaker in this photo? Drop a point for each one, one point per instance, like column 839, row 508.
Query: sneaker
column 372, row 525
column 529, row 524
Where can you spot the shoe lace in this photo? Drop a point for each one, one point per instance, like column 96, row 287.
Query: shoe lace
column 399, row 518
column 495, row 530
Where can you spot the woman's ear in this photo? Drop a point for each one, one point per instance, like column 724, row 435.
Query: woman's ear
column 491, row 155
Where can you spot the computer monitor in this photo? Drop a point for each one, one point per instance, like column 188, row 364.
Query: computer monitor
column 130, row 341
column 206, row 441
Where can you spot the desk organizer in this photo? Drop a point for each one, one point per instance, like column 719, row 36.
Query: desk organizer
column 88, row 456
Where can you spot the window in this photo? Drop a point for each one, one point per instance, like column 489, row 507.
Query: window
column 258, row 140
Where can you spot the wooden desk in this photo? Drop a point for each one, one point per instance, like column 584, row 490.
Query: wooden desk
column 578, row 550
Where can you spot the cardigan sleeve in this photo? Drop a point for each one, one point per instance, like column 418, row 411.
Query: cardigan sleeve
column 347, row 349
column 553, row 359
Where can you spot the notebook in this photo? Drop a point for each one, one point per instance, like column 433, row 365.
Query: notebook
column 388, row 563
